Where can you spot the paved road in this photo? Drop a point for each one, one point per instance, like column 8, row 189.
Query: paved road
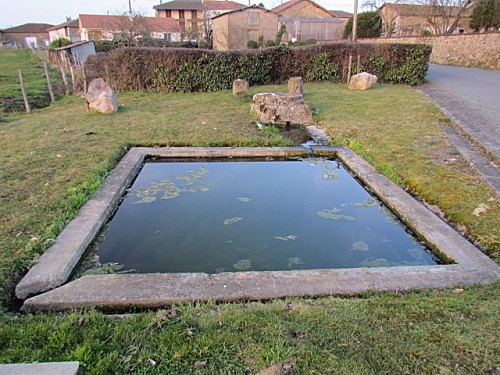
column 471, row 97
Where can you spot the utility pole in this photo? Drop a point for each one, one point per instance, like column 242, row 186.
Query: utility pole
column 130, row 6
column 355, row 21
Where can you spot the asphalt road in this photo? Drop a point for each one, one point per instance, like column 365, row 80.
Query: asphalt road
column 471, row 97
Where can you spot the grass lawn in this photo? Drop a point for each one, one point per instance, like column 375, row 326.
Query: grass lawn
column 54, row 159
column 34, row 80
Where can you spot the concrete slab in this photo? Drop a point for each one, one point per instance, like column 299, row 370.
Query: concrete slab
column 155, row 290
column 53, row 368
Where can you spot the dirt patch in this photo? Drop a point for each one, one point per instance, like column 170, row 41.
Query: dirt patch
column 443, row 152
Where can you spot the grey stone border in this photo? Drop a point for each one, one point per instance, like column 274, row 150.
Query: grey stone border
column 45, row 368
column 155, row 290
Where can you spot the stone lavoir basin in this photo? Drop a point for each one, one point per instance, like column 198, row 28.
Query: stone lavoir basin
column 246, row 223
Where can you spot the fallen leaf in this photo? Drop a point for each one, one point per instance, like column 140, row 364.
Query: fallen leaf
column 481, row 209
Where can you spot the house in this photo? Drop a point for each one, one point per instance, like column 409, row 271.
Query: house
column 233, row 30
column 415, row 20
column 194, row 16
column 79, row 50
column 69, row 30
column 29, row 35
column 104, row 27
column 305, row 19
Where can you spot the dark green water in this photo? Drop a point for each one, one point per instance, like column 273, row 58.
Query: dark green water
column 252, row 215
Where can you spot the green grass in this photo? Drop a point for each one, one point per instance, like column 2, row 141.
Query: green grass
column 54, row 159
column 34, row 79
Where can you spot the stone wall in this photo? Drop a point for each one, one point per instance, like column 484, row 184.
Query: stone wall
column 471, row 50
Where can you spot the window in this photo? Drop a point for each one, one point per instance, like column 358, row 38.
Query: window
column 168, row 13
column 253, row 18
column 167, row 37
column 194, row 14
column 181, row 14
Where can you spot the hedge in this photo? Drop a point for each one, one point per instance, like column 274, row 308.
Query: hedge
column 190, row 70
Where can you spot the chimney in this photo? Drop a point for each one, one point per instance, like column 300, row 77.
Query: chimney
column 68, row 19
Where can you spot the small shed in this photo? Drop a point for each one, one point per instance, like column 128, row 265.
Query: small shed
column 79, row 50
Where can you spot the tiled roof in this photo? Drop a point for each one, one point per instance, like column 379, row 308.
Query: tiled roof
column 241, row 10
column 280, row 8
column 422, row 10
column 29, row 28
column 98, row 21
column 199, row 5
column 70, row 23
column 341, row 14
column 286, row 5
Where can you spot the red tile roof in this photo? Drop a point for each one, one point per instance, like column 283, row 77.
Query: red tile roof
column 29, row 28
column 340, row 13
column 199, row 5
column 280, row 8
column 104, row 22
column 70, row 23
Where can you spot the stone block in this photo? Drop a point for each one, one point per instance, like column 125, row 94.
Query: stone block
column 295, row 85
column 100, row 97
column 362, row 81
column 280, row 108
column 240, row 87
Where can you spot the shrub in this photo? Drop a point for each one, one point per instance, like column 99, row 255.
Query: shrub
column 252, row 44
column 369, row 25
column 302, row 42
column 59, row 42
column 191, row 70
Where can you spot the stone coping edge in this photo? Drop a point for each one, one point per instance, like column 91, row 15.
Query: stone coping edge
column 55, row 265
column 155, row 290
column 44, row 368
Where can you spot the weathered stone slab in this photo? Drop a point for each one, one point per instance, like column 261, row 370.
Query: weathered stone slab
column 296, row 85
column 123, row 291
column 279, row 108
column 362, row 81
column 240, row 87
column 100, row 97
column 56, row 264
column 53, row 368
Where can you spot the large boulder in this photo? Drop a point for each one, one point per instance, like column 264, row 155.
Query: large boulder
column 100, row 97
column 295, row 85
column 362, row 81
column 240, row 87
column 279, row 108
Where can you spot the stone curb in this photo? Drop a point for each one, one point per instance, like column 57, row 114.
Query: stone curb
column 155, row 290
column 52, row 368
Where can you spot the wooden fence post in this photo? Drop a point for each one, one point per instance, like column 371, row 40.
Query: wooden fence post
column 65, row 80
column 84, row 76
column 23, row 90
column 52, row 97
column 349, row 69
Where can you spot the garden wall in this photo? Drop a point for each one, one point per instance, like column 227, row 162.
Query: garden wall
column 189, row 70
column 471, row 50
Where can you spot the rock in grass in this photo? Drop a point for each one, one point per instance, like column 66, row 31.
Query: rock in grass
column 296, row 85
column 100, row 97
column 362, row 81
column 240, row 87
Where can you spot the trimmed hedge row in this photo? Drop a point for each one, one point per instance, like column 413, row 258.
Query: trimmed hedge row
column 189, row 70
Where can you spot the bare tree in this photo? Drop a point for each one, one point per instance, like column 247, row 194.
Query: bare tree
column 388, row 14
column 444, row 16
column 129, row 28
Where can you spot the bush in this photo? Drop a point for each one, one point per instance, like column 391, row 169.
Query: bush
column 369, row 25
column 302, row 43
column 252, row 44
column 191, row 70
column 108, row 45
column 59, row 42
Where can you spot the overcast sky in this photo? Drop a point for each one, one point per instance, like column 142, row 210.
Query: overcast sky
column 17, row 12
